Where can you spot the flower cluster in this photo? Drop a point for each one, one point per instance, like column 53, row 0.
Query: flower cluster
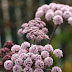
column 5, row 53
column 32, row 58
column 55, row 12
column 34, row 29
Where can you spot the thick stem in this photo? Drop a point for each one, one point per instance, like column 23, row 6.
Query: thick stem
column 51, row 37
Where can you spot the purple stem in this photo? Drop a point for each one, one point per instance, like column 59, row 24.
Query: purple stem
column 51, row 37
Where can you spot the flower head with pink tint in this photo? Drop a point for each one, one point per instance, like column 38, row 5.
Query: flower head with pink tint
column 39, row 64
column 37, row 57
column 38, row 70
column 14, row 57
column 34, row 49
column 45, row 8
column 28, row 69
column 28, row 62
column 58, row 12
column 22, row 51
column 57, row 19
column 30, row 55
column 8, row 64
column 39, row 14
column 25, row 45
column 19, row 31
column 56, row 69
column 48, row 61
column 18, row 61
column 67, row 14
column 58, row 53
column 48, row 48
column 70, row 20
column 44, row 54
column 49, row 15
column 23, row 56
column 17, row 68
column 15, row 48
column 40, row 48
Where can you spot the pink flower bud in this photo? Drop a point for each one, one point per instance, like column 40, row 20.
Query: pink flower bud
column 8, row 64
column 57, row 19
column 48, row 61
column 56, row 69
column 58, row 53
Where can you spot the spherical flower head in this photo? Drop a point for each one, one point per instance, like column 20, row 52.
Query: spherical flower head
column 54, row 7
column 58, row 53
column 67, row 14
column 22, row 51
column 70, row 9
column 14, row 57
column 19, row 32
column 48, row 61
column 57, row 19
column 25, row 45
column 56, row 69
column 44, row 54
column 39, row 14
column 48, row 48
column 50, row 10
column 45, row 8
column 33, row 49
column 38, row 70
column 8, row 44
column 59, row 6
column 51, row 4
column 6, row 57
column 23, row 56
column 58, row 12
column 63, row 9
column 40, row 48
column 39, row 64
column 18, row 61
column 28, row 62
column 37, row 57
column 17, row 68
column 15, row 48
column 8, row 64
column 45, row 30
column 28, row 69
column 49, row 16
column 70, row 20
column 30, row 55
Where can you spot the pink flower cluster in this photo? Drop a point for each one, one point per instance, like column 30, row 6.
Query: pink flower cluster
column 5, row 53
column 33, row 60
column 55, row 12
column 34, row 29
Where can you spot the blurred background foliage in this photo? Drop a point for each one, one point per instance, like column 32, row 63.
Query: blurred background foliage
column 13, row 13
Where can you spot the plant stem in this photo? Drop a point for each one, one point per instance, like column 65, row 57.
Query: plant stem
column 47, row 69
column 51, row 37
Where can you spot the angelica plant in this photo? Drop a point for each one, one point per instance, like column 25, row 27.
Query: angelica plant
column 29, row 57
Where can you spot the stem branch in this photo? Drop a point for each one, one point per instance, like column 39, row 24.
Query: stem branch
column 51, row 37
